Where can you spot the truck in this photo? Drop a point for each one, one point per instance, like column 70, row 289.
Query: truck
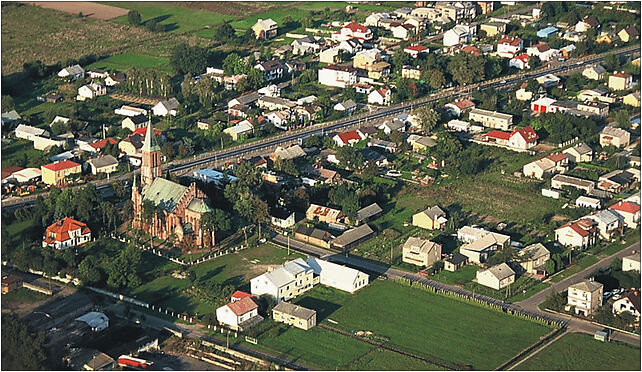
column 130, row 361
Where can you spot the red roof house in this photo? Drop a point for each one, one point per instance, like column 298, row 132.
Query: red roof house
column 61, row 165
column 629, row 211
column 347, row 138
column 98, row 145
column 239, row 295
column 66, row 233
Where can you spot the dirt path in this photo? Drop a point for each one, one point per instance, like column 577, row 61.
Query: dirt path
column 88, row 8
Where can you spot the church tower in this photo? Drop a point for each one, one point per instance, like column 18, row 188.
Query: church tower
column 151, row 167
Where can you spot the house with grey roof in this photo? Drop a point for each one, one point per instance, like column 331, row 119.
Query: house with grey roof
column 533, row 259
column 352, row 237
column 294, row 315
column 285, row 282
column 74, row 72
column 496, row 277
column 368, row 212
column 103, row 164
column 10, row 116
column 608, row 222
column 166, row 107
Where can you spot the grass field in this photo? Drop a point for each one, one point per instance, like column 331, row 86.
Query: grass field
column 122, row 62
column 464, row 275
column 67, row 36
column 14, row 151
column 440, row 328
column 580, row 352
column 24, row 295
column 578, row 266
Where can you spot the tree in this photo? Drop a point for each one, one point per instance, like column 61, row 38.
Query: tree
column 22, row 349
column 255, row 78
column 428, row 118
column 622, row 118
column 466, row 68
column 192, row 59
column 233, row 65
column 436, row 79
column 550, row 267
column 224, row 33
column 88, row 270
column 7, row 103
column 248, row 175
column 134, row 17
column 259, row 212
column 123, row 270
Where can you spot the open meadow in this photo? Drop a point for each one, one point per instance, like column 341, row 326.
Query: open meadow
column 580, row 352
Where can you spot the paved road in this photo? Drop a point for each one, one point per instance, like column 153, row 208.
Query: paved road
column 249, row 149
column 529, row 305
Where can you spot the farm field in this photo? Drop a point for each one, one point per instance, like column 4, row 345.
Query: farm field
column 88, row 8
column 122, row 62
column 449, row 331
column 582, row 352
column 17, row 151
column 68, row 36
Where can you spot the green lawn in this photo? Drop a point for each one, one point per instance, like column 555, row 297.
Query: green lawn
column 24, row 295
column 576, row 268
column 14, row 152
column 464, row 275
column 580, row 352
column 439, row 328
column 176, row 18
column 386, row 360
column 21, row 231
column 124, row 61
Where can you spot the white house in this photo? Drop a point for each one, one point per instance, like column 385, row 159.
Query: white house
column 330, row 55
column 353, row 30
column 338, row 276
column 587, row 202
column 95, row 320
column 346, row 106
column 578, row 234
column 338, row 76
column 629, row 211
column 380, row 96
column 509, row 46
column 279, row 119
column 459, row 34
column 236, row 313
column 416, row 50
column 631, row 262
column 595, row 72
column 496, row 277
column 284, row 282
column 608, row 222
column 90, row 91
column 585, row 296
column 542, row 51
column 74, row 72
column 520, row 62
column 167, row 107
column 630, row 302
column 29, row 133
column 240, row 129
column 403, row 31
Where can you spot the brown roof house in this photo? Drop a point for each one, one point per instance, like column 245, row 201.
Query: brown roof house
column 421, row 252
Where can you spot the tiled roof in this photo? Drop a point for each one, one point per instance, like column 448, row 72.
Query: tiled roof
column 242, row 306
column 355, row 27
column 499, row 135
column 528, row 134
column 65, row 164
column 62, row 228
column 511, row 40
column 416, row 48
column 102, row 143
column 557, row 157
column 349, row 136
column 625, row 206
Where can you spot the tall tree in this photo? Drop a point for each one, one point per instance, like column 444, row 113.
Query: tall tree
column 134, row 17
column 428, row 118
column 21, row 348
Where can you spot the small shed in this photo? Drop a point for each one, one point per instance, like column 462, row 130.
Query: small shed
column 604, row 335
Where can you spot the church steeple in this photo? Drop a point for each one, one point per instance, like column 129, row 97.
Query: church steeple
column 151, row 164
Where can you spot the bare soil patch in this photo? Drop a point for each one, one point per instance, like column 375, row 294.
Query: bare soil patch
column 231, row 8
column 88, row 8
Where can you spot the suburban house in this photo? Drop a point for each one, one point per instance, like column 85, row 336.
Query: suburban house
column 265, row 29
column 491, row 119
column 294, row 315
column 519, row 61
column 621, row 81
column 579, row 153
column 352, row 237
column 288, row 153
column 587, row 202
column 55, row 173
column 577, row 234
column 90, row 91
column 338, row 276
column 338, row 76
column 411, row 72
column 456, row 262
column 307, row 44
column 348, row 138
column 74, row 72
column 10, row 117
column 330, row 55
column 597, row 94
column 130, row 110
column 103, row 164
column 66, row 233
column 323, row 214
column 459, row 107
column 392, row 126
column 285, row 282
column 403, row 31
column 629, row 211
column 421, row 252
column 496, row 277
column 167, row 107
column 346, row 106
column 630, row 302
column 433, row 218
column 612, row 136
column 594, row 72
column 521, row 139
column 560, row 181
column 29, row 133
column 239, row 315
column 586, row 23
column 420, row 143
column 533, row 259
column 629, row 33
column 542, row 51
column 554, row 163
column 368, row 212
column 282, row 218
column 608, row 222
column 415, row 50
column 460, row 34
column 380, row 96
column 631, row 262
column 353, row 30
column 632, row 99
column 115, row 78
column 493, row 28
column 314, row 236
column 243, row 128
column 586, row 296
column 483, row 247
column 509, row 46
column 272, row 69
column 549, row 81
column 314, row 175
column 134, row 122
column 206, row 124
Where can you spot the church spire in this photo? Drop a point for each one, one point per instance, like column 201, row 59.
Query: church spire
column 150, row 144
column 151, row 157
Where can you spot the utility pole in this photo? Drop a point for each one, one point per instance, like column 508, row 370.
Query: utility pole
column 245, row 232
column 288, row 244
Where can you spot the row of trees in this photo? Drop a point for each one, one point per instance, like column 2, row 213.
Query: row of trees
column 148, row 82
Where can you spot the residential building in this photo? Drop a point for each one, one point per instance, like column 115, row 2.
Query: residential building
column 134, row 122
column 549, row 81
column 533, row 259
column 383, row 144
column 272, row 69
column 585, row 296
column 594, row 72
column 542, row 51
column 314, row 236
column 597, row 95
column 411, row 72
column 459, row 107
column 338, row 276
column 392, row 126
column 73, row 72
column 560, row 181
column 493, row 28
column 629, row 302
column 346, row 106
column 244, row 128
column 285, row 282
column 103, row 164
column 330, row 55
column 621, row 81
column 90, row 91
column 307, row 44
column 586, row 23
column 480, row 249
column 496, row 277
column 282, row 218
column 433, row 218
column 631, row 262
column 491, row 119
column 206, row 124
column 579, row 153
column 380, row 96
column 348, row 138
column 66, row 233
column 519, row 61
column 323, row 214
column 367, row 212
column 629, row 211
column 612, row 136
column 353, row 30
column 586, row 202
column 213, row 176
column 404, row 31
column 352, row 237
column 551, row 164
column 523, row 139
column 239, row 315
column 509, row 46
column 632, row 99
column 628, row 34
column 29, row 133
column 456, row 262
column 577, row 234
column 608, row 222
column 547, row 32
column 416, row 50
column 460, row 34
column 420, row 143
column 338, row 76
column 294, row 315
column 421, row 252
column 55, row 173
column 10, row 117
column 167, row 107
column 115, row 78
column 265, row 29
column 130, row 110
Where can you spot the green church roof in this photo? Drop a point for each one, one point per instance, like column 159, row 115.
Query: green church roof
column 199, row 206
column 164, row 193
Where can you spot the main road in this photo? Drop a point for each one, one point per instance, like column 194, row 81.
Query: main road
column 210, row 158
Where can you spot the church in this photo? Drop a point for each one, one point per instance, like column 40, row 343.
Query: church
column 179, row 208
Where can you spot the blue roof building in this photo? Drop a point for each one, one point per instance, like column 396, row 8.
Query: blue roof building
column 547, row 32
